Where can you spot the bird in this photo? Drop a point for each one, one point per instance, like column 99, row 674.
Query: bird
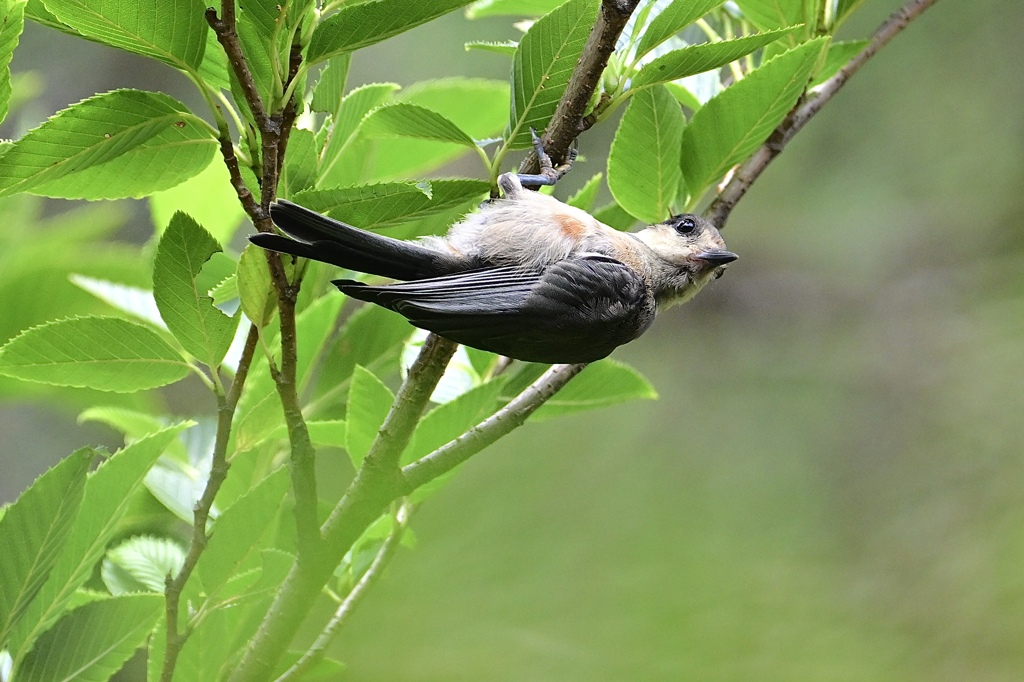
column 525, row 276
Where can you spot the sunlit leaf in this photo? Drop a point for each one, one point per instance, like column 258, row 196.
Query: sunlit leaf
column 142, row 563
column 135, row 301
column 671, row 20
column 203, row 330
column 602, row 383
column 505, row 47
column 732, row 124
column 695, row 59
column 643, row 165
column 12, row 21
column 526, row 8
column 173, row 31
column 543, row 62
column 207, row 197
column 104, row 353
column 360, row 25
column 385, row 204
column 409, row 120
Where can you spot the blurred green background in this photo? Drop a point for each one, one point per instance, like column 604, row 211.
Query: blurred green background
column 831, row 486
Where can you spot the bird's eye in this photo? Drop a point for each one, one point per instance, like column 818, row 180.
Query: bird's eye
column 686, row 225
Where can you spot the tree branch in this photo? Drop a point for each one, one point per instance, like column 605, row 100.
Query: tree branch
column 201, row 514
column 227, row 35
column 499, row 424
column 316, row 652
column 568, row 122
column 745, row 175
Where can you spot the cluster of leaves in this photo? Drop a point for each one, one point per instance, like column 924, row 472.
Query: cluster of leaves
column 85, row 555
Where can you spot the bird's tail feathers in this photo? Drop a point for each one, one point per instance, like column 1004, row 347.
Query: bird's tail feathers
column 331, row 241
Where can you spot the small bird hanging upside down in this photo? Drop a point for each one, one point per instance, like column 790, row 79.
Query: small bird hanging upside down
column 525, row 276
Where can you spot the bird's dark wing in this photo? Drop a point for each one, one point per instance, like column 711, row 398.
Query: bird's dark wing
column 331, row 241
column 577, row 310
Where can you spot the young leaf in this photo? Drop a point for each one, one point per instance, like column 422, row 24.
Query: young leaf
column 255, row 290
column 732, row 124
column 587, row 195
column 671, row 20
column 93, row 641
column 603, row 383
column 369, row 402
column 391, row 203
column 300, row 163
column 203, row 330
column 333, row 168
column 141, row 564
column 410, row 120
column 240, row 533
column 108, row 495
column 173, row 31
column 104, row 353
column 90, row 133
column 33, row 531
column 643, row 165
column 363, row 24
column 207, row 197
column 542, row 65
column 12, row 21
column 700, row 58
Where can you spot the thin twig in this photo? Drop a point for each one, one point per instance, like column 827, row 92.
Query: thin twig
column 227, row 35
column 316, row 652
column 201, row 514
column 745, row 175
column 511, row 416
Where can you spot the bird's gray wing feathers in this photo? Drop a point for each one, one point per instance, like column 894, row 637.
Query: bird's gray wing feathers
column 331, row 241
column 577, row 310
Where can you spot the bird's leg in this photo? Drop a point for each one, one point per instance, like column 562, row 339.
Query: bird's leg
column 549, row 174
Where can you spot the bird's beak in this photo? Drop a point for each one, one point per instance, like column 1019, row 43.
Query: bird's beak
column 716, row 257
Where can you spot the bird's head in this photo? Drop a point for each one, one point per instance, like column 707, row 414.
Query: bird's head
column 687, row 252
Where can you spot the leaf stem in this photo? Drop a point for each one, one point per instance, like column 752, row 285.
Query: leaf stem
column 218, row 472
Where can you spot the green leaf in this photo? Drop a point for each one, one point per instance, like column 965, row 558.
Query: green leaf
column 477, row 106
column 363, row 24
column 104, row 353
column 135, row 301
column 203, row 330
column 844, row 8
column 300, row 163
column 527, row 8
column 545, row 59
column 671, row 20
column 240, row 533
column 615, row 216
column 700, row 58
column 173, row 31
column 92, row 132
column 330, row 88
column 391, row 203
column 33, row 531
column 505, row 47
column 313, row 328
column 177, row 486
column 769, row 14
column 93, row 641
column 836, row 57
column 643, row 164
column 214, row 68
column 449, row 421
column 369, row 402
column 255, row 287
column 410, row 120
column 602, row 383
column 108, row 495
column 587, row 195
column 142, row 564
column 207, row 197
column 12, row 22
column 732, row 124
column 334, row 169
